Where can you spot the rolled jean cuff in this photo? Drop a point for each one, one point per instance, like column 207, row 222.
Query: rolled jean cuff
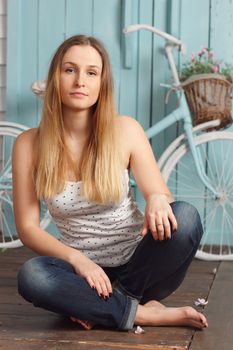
column 130, row 309
column 129, row 323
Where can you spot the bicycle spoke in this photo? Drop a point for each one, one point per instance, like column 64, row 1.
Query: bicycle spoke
column 206, row 162
column 229, row 220
column 7, row 228
column 227, row 169
column 215, row 150
column 184, row 182
column 1, row 225
column 208, row 222
column 8, row 235
column 6, row 174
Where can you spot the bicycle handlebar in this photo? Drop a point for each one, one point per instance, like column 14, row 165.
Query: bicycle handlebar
column 166, row 36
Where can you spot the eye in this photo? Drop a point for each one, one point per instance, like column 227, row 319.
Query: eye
column 92, row 73
column 70, row 70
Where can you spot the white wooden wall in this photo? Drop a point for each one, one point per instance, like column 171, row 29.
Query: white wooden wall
column 3, row 18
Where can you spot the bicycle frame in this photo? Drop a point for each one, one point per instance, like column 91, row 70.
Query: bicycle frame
column 182, row 113
column 6, row 176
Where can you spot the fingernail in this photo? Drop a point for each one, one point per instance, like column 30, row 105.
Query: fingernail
column 110, row 294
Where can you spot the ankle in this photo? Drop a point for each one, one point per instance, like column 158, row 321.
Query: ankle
column 140, row 317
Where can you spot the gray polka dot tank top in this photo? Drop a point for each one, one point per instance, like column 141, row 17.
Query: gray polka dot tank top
column 107, row 234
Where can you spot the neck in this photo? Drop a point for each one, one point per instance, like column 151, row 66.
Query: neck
column 77, row 123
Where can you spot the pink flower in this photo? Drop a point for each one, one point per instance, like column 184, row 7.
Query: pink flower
column 193, row 57
column 211, row 53
column 139, row 330
column 214, row 69
column 201, row 302
column 202, row 52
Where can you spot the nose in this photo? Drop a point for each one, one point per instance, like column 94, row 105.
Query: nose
column 80, row 79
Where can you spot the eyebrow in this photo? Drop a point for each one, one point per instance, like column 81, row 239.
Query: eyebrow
column 74, row 64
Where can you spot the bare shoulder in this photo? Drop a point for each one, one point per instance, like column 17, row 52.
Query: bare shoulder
column 27, row 138
column 26, row 144
column 130, row 130
column 131, row 135
column 129, row 124
column 27, row 135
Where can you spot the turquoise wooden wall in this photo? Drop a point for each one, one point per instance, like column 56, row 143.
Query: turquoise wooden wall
column 37, row 27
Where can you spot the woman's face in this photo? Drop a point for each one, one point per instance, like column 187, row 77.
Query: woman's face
column 80, row 78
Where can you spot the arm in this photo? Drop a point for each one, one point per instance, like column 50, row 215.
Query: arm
column 158, row 212
column 27, row 217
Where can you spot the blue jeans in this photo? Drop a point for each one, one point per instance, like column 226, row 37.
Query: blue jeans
column 155, row 270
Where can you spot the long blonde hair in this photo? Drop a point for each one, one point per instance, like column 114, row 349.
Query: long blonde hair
column 101, row 166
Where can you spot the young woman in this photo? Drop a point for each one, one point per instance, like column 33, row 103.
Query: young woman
column 112, row 264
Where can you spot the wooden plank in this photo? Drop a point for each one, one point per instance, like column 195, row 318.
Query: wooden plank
column 219, row 312
column 55, row 328
column 200, row 10
column 2, row 26
column 49, row 36
column 28, row 62
column 3, row 7
column 25, row 327
column 108, row 30
column 145, row 76
column 13, row 59
column 145, row 58
column 159, row 74
column 79, row 17
column 82, row 345
column 40, row 325
column 221, row 22
column 51, row 32
column 128, row 77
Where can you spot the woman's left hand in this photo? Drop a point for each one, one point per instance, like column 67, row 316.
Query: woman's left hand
column 159, row 217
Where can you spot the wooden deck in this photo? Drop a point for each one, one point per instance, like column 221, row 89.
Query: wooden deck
column 24, row 327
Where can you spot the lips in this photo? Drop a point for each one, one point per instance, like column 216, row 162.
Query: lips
column 78, row 94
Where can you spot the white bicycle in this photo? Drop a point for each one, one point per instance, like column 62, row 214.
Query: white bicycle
column 197, row 166
column 8, row 234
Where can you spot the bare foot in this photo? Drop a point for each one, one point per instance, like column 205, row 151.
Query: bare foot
column 85, row 324
column 154, row 303
column 154, row 313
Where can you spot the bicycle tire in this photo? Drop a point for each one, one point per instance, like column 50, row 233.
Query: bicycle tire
column 8, row 233
column 216, row 213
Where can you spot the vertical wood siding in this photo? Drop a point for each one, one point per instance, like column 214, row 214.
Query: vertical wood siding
column 221, row 29
column 2, row 58
column 36, row 27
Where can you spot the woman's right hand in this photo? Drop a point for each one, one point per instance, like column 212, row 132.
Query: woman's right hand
column 94, row 275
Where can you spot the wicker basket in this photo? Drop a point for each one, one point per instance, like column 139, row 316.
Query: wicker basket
column 209, row 97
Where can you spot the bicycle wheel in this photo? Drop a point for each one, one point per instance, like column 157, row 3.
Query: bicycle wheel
column 8, row 233
column 215, row 149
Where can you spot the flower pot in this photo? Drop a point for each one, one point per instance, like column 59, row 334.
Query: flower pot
column 209, row 97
